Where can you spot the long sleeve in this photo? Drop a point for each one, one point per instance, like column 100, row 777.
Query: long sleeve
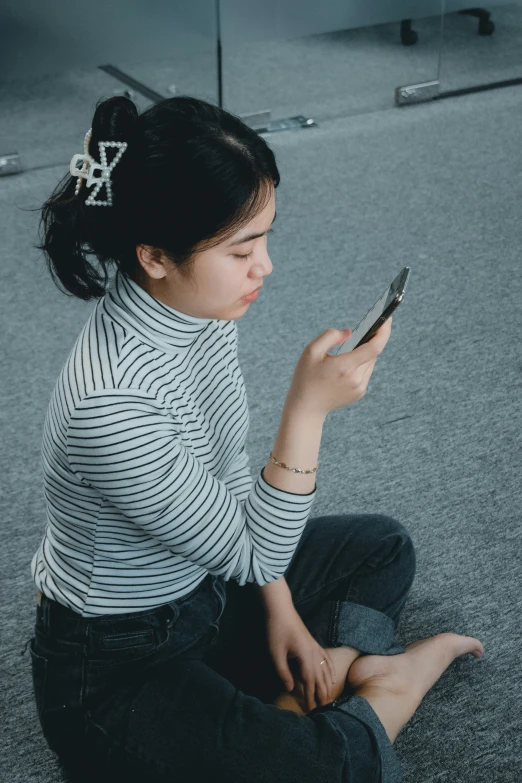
column 239, row 476
column 127, row 447
column 146, row 479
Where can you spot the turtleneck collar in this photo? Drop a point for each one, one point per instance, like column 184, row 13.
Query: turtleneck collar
column 153, row 322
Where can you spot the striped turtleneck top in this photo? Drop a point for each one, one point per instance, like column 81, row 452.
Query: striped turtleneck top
column 146, row 478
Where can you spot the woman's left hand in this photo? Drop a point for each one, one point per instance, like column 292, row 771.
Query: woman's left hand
column 288, row 637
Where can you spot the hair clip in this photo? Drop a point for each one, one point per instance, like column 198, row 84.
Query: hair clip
column 89, row 166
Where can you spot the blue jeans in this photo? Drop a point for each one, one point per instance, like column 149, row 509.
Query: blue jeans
column 184, row 692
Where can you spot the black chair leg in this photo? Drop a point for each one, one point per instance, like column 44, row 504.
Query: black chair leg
column 485, row 25
column 408, row 36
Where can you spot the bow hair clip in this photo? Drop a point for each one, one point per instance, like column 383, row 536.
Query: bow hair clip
column 89, row 166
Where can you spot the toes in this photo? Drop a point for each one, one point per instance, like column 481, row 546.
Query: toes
column 465, row 644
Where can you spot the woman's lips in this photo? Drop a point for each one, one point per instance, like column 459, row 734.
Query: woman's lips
column 252, row 295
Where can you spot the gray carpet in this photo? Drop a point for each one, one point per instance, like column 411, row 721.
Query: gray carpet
column 436, row 440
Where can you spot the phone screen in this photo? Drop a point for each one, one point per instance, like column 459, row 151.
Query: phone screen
column 377, row 315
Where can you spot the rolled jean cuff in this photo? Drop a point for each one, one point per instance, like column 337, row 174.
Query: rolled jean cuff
column 391, row 769
column 363, row 759
column 366, row 629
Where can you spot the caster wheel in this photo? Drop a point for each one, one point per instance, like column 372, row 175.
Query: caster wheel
column 486, row 27
column 409, row 38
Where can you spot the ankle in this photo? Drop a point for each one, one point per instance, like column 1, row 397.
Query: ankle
column 342, row 659
column 350, row 653
column 392, row 709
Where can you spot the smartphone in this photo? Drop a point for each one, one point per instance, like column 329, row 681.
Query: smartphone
column 377, row 315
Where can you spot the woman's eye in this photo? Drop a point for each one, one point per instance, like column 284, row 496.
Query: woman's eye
column 270, row 231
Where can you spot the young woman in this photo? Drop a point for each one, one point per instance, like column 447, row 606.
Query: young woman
column 192, row 623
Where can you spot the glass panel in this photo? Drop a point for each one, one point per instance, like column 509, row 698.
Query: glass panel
column 182, row 56
column 483, row 50
column 325, row 59
column 50, row 77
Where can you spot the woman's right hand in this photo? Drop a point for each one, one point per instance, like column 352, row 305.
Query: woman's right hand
column 322, row 383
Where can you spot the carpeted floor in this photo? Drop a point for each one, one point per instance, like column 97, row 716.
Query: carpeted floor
column 436, row 440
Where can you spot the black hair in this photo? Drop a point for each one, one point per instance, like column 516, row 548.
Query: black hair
column 192, row 175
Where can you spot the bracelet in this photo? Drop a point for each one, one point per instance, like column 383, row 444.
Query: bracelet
column 294, row 470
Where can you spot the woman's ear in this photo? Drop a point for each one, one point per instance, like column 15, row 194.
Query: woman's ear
column 151, row 262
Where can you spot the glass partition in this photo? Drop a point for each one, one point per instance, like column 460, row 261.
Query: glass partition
column 480, row 46
column 58, row 59
column 287, row 58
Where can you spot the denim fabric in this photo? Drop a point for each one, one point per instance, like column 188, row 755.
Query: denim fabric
column 184, row 691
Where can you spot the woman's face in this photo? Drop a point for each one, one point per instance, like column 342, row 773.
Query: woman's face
column 221, row 277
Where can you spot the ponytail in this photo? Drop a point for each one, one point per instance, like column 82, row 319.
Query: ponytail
column 191, row 176
column 72, row 230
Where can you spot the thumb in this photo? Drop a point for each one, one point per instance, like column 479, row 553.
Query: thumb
column 339, row 336
column 331, row 337
column 345, row 333
column 328, row 339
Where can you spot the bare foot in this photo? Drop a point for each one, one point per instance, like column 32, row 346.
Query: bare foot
column 417, row 669
column 395, row 685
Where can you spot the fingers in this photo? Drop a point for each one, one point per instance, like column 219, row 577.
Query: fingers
column 323, row 683
column 367, row 374
column 310, row 684
column 286, row 672
column 364, row 372
column 326, row 679
column 329, row 677
column 371, row 350
column 320, row 680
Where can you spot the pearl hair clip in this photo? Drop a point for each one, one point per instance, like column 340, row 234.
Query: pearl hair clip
column 89, row 166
